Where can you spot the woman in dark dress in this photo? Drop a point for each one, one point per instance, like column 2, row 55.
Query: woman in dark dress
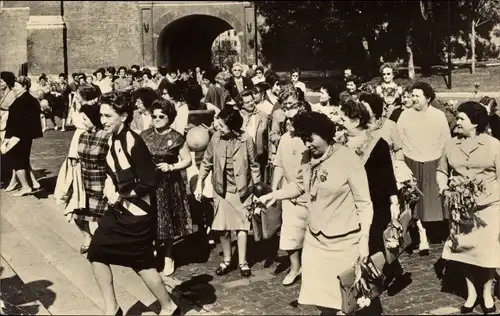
column 166, row 145
column 375, row 154
column 126, row 231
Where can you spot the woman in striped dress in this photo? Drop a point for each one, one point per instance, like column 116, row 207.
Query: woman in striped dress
column 92, row 149
column 126, row 232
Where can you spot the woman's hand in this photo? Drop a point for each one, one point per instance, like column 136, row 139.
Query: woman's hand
column 165, row 167
column 395, row 211
column 198, row 192
column 363, row 249
column 268, row 199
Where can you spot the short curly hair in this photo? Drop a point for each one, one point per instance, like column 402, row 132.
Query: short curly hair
column 376, row 103
column 146, row 95
column 426, row 89
column 120, row 103
column 476, row 113
column 392, row 66
column 232, row 118
column 287, row 91
column 355, row 110
column 166, row 107
column 305, row 124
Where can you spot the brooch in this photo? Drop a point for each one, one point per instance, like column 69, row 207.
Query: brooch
column 324, row 176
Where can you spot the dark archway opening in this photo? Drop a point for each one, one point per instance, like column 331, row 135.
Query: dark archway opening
column 186, row 43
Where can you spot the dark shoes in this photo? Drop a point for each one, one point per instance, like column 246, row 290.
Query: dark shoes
column 245, row 270
column 486, row 310
column 224, row 268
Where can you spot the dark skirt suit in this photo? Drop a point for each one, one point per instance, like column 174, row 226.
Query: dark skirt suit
column 382, row 184
column 125, row 235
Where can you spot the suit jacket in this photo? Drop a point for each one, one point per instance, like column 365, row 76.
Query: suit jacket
column 246, row 169
column 233, row 90
column 24, row 118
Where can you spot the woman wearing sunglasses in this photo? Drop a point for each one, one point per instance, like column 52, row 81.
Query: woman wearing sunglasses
column 166, row 145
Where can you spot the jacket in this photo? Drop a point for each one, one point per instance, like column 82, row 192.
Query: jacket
column 233, row 90
column 24, row 118
column 246, row 169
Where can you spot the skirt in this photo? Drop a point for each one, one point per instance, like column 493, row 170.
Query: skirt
column 481, row 246
column 323, row 259
column 230, row 212
column 18, row 158
column 430, row 207
column 173, row 216
column 293, row 227
column 124, row 239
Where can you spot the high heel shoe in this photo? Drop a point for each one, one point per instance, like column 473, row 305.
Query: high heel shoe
column 466, row 309
column 119, row 312
column 488, row 310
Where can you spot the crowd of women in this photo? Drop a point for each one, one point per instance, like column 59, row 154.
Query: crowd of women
column 337, row 167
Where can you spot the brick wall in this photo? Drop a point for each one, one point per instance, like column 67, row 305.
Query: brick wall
column 45, row 51
column 13, row 37
column 36, row 7
column 102, row 34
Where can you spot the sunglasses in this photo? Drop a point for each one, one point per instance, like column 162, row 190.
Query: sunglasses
column 387, row 73
column 161, row 117
column 236, row 69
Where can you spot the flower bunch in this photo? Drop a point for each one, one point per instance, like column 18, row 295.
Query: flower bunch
column 461, row 200
column 410, row 193
column 395, row 240
column 255, row 208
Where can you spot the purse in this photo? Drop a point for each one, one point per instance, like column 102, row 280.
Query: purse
column 350, row 287
column 268, row 221
column 397, row 232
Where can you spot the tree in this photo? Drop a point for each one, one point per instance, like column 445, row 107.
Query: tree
column 224, row 52
column 481, row 12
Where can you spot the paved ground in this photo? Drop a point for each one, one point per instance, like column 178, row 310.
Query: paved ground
column 42, row 271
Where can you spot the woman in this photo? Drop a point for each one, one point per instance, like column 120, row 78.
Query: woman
column 287, row 164
column 351, row 89
column 7, row 97
column 295, row 76
column 103, row 81
column 230, row 156
column 380, row 124
column 143, row 99
column 475, row 155
column 406, row 103
column 375, row 154
column 259, row 75
column 328, row 102
column 388, row 71
column 92, row 150
column 166, row 146
column 23, row 126
column 340, row 210
column 494, row 112
column 126, row 231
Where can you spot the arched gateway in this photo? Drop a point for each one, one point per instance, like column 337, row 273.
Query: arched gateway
column 183, row 32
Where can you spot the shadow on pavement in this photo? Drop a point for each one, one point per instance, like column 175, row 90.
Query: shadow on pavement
column 198, row 289
column 20, row 298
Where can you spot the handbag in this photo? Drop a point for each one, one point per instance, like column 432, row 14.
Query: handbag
column 350, row 282
column 268, row 221
column 397, row 237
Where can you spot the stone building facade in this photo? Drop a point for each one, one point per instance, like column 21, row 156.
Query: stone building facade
column 87, row 35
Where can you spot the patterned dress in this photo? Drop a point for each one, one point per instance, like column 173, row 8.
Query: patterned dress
column 92, row 150
column 174, row 218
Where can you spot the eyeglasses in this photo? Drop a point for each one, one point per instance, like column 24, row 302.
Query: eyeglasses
column 161, row 117
column 387, row 73
column 236, row 69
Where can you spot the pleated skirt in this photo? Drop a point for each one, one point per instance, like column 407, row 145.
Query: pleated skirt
column 430, row 207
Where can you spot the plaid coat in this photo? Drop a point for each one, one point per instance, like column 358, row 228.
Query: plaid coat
column 92, row 150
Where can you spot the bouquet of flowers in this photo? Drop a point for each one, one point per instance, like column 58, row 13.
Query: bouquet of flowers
column 461, row 200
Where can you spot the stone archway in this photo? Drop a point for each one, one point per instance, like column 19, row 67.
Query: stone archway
column 185, row 40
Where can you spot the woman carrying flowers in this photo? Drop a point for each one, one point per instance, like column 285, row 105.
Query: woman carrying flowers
column 469, row 173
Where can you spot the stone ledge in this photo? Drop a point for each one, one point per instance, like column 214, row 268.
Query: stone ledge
column 45, row 22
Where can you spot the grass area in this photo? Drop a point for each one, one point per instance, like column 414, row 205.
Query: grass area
column 462, row 80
